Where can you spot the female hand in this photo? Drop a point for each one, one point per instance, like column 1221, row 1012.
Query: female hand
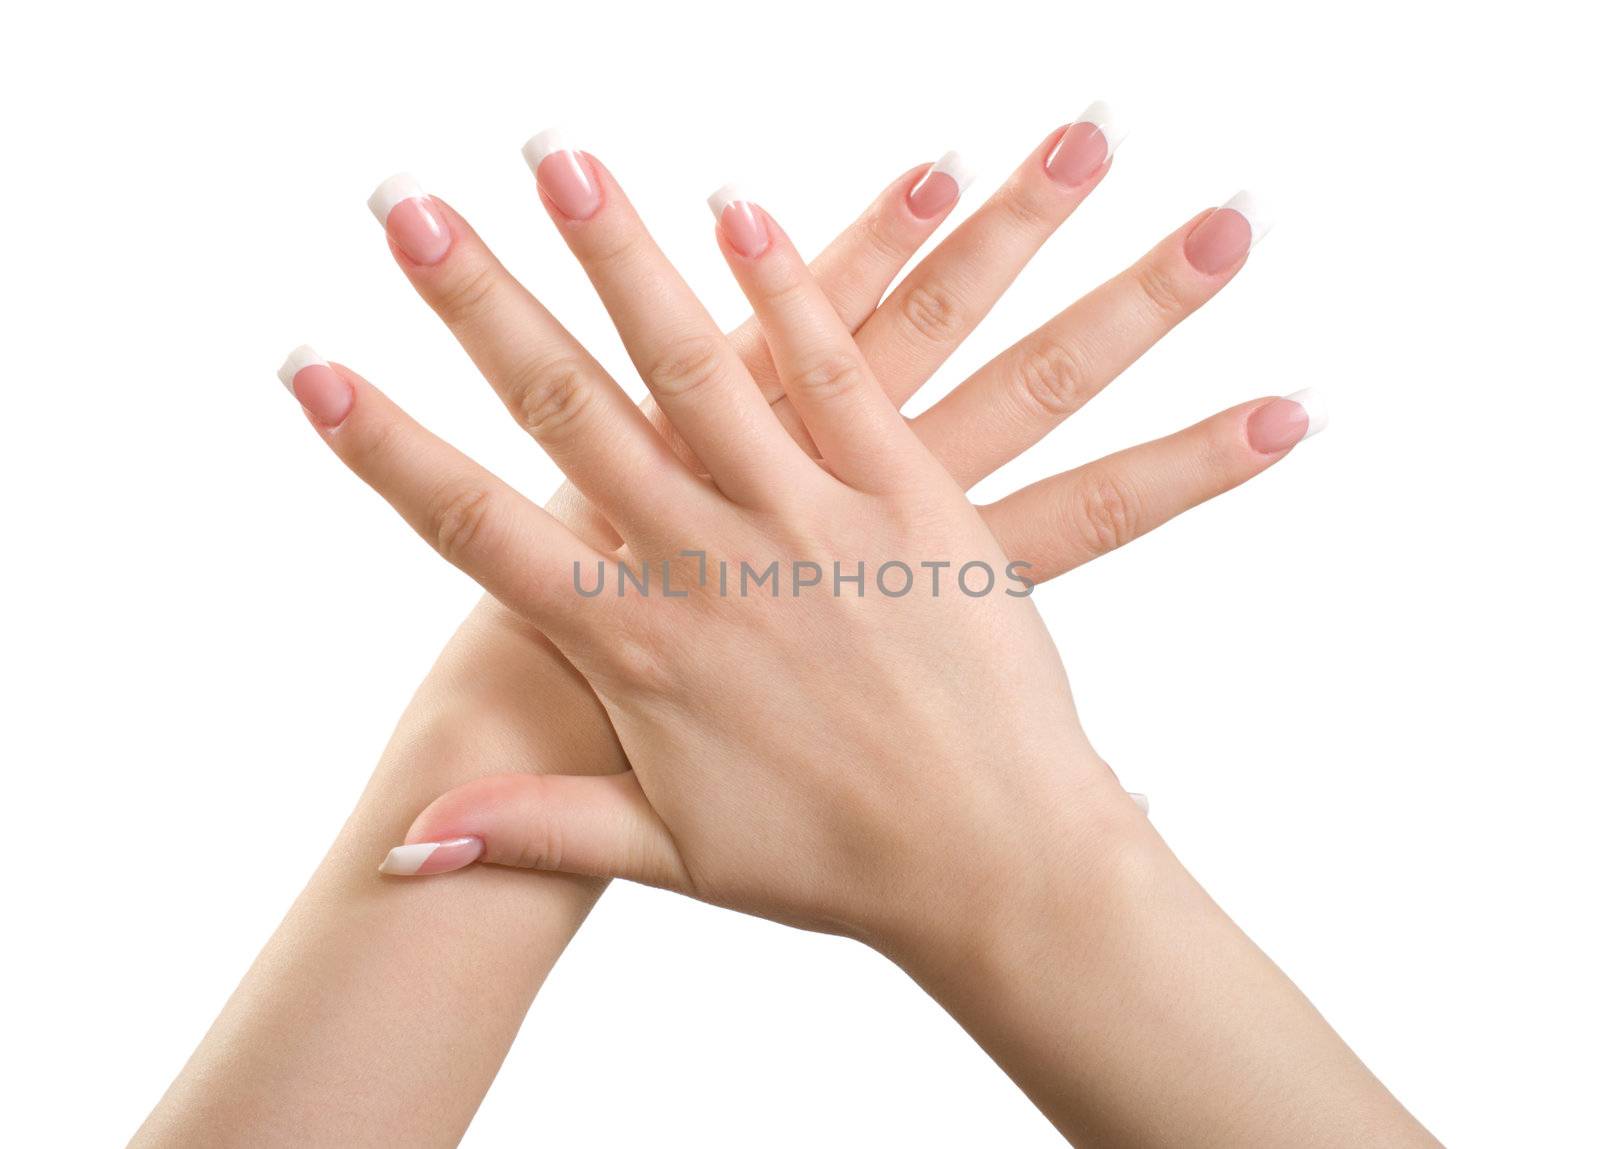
column 501, row 696
column 908, row 769
column 1005, row 407
column 764, row 496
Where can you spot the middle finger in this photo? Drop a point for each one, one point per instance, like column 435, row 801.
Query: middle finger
column 690, row 367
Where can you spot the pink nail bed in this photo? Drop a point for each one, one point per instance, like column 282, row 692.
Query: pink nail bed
column 1077, row 156
column 933, row 193
column 739, row 220
column 940, row 186
column 1280, row 424
column 421, row 858
column 326, row 397
column 1085, row 146
column 409, row 216
column 565, row 175
column 1226, row 236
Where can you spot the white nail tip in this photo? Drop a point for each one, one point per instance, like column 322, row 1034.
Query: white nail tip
column 300, row 358
column 1316, row 408
column 1140, row 801
column 1256, row 213
column 396, row 189
column 955, row 165
column 407, row 860
column 723, row 196
column 546, row 143
column 1101, row 116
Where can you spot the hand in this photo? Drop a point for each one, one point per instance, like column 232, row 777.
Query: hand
column 941, row 731
column 1005, row 407
column 659, row 321
column 502, row 698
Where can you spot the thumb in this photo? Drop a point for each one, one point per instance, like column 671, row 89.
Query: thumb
column 600, row 825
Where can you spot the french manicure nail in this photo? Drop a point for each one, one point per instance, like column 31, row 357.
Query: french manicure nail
column 565, row 174
column 1255, row 212
column 1140, row 801
column 326, row 397
column 940, row 186
column 406, row 212
column 1226, row 235
column 432, row 857
column 739, row 221
column 1085, row 146
column 1280, row 424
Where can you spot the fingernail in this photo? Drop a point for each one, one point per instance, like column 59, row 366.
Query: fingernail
column 1280, row 424
column 739, row 221
column 325, row 396
column 432, row 857
column 1226, row 236
column 404, row 210
column 565, row 175
column 940, row 186
column 1140, row 801
column 1085, row 146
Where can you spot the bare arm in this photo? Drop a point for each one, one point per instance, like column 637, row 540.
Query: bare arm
column 1134, row 1012
column 375, row 1009
column 928, row 789
column 380, row 1012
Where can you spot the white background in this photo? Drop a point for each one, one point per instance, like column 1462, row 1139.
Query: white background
column 1360, row 691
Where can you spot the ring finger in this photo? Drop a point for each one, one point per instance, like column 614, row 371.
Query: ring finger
column 689, row 365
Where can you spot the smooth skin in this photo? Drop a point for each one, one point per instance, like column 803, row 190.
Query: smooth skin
column 936, row 761
column 502, row 697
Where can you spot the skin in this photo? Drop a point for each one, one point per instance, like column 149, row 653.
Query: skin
column 381, row 1064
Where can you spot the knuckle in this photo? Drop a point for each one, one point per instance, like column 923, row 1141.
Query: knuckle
column 616, row 252
column 635, row 660
column 641, row 665
column 468, row 294
column 687, row 366
column 790, row 293
column 1027, row 212
column 829, row 377
column 1053, row 379
column 1216, row 457
column 877, row 236
column 1161, row 291
column 1105, row 513
column 459, row 522
column 540, row 847
column 547, row 398
column 934, row 313
column 384, row 442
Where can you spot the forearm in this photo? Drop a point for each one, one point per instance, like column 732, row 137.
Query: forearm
column 1134, row 1012
column 380, row 1011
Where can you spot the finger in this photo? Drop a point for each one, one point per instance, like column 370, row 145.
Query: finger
column 859, row 265
column 516, row 551
column 685, row 360
column 601, row 826
column 1064, row 521
column 549, row 383
column 947, row 294
column 858, row 432
column 853, row 271
column 1014, row 401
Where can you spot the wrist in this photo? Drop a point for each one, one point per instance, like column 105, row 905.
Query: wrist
column 500, row 699
column 1030, row 905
